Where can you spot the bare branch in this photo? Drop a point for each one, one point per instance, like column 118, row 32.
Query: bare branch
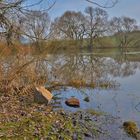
column 105, row 5
column 24, row 8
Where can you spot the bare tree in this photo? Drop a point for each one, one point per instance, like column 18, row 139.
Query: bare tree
column 12, row 8
column 96, row 23
column 6, row 27
column 71, row 25
column 122, row 27
column 36, row 27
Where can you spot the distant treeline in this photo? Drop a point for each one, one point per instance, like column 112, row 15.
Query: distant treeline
column 91, row 28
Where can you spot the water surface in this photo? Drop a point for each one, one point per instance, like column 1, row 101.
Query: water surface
column 122, row 101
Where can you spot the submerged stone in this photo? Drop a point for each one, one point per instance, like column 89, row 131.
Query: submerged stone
column 73, row 102
column 86, row 99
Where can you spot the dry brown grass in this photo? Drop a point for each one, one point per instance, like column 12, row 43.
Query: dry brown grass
column 77, row 83
column 19, row 72
column 19, row 76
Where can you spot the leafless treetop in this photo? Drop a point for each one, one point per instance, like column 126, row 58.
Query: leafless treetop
column 105, row 4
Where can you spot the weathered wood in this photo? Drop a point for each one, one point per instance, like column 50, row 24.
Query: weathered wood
column 42, row 95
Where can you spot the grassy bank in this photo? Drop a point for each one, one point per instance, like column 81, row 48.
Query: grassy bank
column 57, row 46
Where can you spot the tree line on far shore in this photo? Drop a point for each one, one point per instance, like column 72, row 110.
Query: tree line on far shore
column 37, row 28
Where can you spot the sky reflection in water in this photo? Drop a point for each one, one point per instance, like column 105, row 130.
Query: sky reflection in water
column 121, row 102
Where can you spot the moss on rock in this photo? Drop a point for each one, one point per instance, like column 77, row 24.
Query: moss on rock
column 131, row 128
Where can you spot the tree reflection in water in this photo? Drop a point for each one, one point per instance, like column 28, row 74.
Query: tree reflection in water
column 64, row 68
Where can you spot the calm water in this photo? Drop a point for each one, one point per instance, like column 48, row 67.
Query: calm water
column 122, row 101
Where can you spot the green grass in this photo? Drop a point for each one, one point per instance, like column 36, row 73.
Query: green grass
column 58, row 46
column 114, row 41
column 102, row 42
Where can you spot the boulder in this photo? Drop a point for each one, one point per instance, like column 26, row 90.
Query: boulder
column 42, row 95
column 73, row 102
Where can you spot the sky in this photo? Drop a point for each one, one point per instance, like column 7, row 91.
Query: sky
column 130, row 8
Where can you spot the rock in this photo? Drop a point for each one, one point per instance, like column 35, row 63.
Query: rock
column 86, row 99
column 42, row 95
column 87, row 135
column 73, row 102
column 131, row 128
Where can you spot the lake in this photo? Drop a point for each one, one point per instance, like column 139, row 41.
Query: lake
column 122, row 100
column 105, row 81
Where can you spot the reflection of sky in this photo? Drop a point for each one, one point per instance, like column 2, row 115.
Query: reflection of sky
column 123, row 102
column 131, row 83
